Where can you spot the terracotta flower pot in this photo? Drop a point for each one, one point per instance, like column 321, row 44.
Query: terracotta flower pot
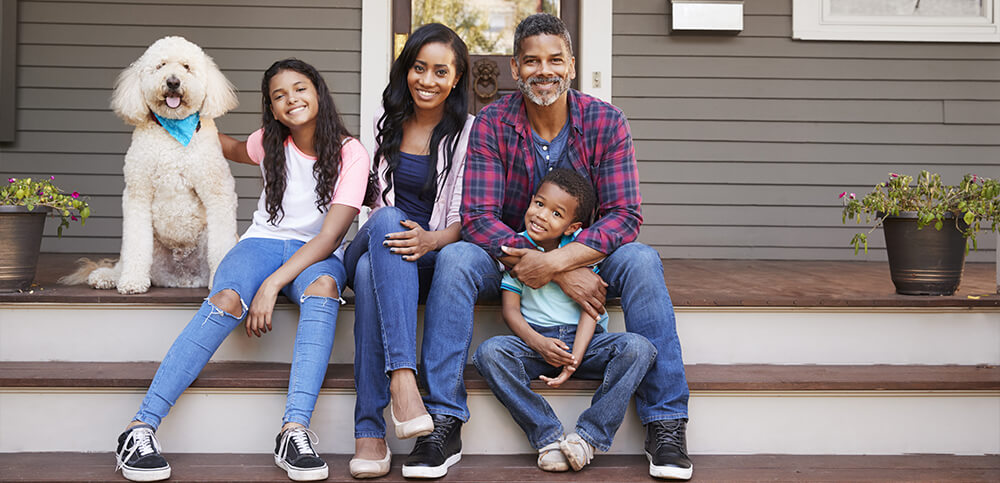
column 925, row 261
column 20, row 242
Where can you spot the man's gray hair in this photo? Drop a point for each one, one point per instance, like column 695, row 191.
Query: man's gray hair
column 538, row 24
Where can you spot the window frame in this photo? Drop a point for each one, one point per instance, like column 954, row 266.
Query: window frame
column 812, row 20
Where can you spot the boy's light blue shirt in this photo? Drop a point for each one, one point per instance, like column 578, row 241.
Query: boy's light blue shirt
column 548, row 305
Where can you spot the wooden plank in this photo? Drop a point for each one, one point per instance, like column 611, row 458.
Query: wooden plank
column 701, row 377
column 208, row 38
column 66, row 166
column 806, row 68
column 972, row 112
column 98, row 101
column 194, row 467
column 626, row 43
column 816, row 132
column 652, row 87
column 120, row 57
column 685, row 150
column 869, row 111
column 246, row 81
column 192, row 15
column 658, row 7
column 356, row 4
column 830, row 175
column 626, row 24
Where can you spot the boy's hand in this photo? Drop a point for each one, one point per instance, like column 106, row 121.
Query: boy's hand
column 554, row 351
column 561, row 378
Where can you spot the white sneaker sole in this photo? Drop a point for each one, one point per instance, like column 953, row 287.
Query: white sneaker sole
column 295, row 474
column 138, row 474
column 668, row 472
column 431, row 471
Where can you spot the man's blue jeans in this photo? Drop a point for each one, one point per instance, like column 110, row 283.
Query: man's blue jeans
column 619, row 360
column 387, row 291
column 243, row 270
column 633, row 272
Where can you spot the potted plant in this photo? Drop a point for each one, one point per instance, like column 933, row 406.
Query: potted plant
column 924, row 261
column 23, row 206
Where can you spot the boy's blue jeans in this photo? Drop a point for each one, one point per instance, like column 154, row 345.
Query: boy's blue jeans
column 634, row 272
column 387, row 291
column 243, row 270
column 619, row 360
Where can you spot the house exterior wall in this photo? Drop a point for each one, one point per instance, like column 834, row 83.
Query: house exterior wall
column 69, row 54
column 744, row 142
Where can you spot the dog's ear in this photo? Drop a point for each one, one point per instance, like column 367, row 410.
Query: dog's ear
column 127, row 100
column 220, row 95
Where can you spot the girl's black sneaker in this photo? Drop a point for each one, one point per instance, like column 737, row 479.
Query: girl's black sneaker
column 138, row 455
column 293, row 452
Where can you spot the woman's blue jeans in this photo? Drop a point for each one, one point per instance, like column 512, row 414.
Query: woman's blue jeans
column 243, row 270
column 387, row 291
column 634, row 272
column 619, row 360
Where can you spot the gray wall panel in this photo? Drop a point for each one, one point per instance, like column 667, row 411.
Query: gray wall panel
column 745, row 141
column 69, row 54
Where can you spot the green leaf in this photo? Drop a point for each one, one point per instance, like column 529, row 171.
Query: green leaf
column 939, row 225
column 969, row 217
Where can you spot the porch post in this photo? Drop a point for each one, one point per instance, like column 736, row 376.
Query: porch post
column 376, row 58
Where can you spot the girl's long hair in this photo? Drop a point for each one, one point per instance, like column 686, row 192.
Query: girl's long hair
column 330, row 131
column 398, row 104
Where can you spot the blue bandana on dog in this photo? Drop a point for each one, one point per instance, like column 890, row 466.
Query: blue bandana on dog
column 181, row 129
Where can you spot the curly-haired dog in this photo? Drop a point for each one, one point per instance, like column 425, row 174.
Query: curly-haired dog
column 179, row 203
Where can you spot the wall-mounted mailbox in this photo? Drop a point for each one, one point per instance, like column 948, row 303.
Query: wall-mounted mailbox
column 707, row 15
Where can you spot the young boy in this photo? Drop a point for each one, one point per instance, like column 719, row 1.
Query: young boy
column 545, row 322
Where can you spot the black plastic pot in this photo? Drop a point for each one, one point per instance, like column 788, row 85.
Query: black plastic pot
column 925, row 261
column 20, row 242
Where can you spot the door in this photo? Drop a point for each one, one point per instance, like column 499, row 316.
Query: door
column 487, row 27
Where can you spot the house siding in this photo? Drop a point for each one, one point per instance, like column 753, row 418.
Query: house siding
column 69, row 54
column 744, row 142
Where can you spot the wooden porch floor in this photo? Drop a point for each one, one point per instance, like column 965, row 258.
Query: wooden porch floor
column 721, row 283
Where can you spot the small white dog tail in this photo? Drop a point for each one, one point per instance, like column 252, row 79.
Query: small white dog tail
column 84, row 267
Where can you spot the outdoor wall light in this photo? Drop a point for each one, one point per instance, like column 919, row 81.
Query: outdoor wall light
column 707, row 15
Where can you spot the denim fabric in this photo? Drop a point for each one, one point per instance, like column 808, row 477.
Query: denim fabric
column 387, row 291
column 243, row 270
column 464, row 274
column 620, row 360
column 633, row 272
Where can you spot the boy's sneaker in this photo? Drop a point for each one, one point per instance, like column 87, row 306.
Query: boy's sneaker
column 551, row 458
column 577, row 451
column 436, row 452
column 138, row 455
column 666, row 449
column 293, row 452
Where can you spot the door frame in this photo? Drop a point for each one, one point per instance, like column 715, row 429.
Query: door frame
column 376, row 56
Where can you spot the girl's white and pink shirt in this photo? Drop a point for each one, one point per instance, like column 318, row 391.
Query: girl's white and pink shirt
column 302, row 220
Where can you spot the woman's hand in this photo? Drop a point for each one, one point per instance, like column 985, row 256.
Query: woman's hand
column 261, row 309
column 413, row 243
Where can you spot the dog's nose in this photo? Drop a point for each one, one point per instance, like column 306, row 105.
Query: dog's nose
column 173, row 82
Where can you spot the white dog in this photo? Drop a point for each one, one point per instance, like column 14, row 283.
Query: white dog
column 179, row 203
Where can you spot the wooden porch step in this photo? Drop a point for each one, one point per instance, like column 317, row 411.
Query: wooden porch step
column 94, row 467
column 701, row 377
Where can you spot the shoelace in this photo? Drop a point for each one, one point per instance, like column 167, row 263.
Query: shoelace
column 141, row 440
column 302, row 438
column 669, row 432
column 438, row 435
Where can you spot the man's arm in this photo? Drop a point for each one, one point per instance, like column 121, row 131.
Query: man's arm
column 483, row 189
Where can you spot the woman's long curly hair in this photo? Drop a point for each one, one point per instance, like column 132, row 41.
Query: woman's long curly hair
column 398, row 104
column 330, row 131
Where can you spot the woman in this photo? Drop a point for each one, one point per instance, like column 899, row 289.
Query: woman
column 421, row 136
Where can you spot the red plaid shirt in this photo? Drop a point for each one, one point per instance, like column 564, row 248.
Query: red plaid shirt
column 500, row 173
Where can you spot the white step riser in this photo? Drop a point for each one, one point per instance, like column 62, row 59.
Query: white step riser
column 708, row 335
column 784, row 423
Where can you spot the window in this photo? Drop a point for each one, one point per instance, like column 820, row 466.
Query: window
column 897, row 20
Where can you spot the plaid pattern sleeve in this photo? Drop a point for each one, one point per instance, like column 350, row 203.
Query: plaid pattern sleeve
column 484, row 188
column 616, row 176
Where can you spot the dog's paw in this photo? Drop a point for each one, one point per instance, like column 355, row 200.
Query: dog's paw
column 102, row 278
column 130, row 285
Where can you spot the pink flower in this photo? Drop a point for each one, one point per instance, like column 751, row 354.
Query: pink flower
column 842, row 195
column 893, row 175
column 10, row 180
column 52, row 177
column 73, row 217
column 852, row 196
column 75, row 194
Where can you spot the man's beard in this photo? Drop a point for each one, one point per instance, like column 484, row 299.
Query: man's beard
column 562, row 85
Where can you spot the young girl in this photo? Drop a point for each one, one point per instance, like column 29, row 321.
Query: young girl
column 422, row 136
column 314, row 181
